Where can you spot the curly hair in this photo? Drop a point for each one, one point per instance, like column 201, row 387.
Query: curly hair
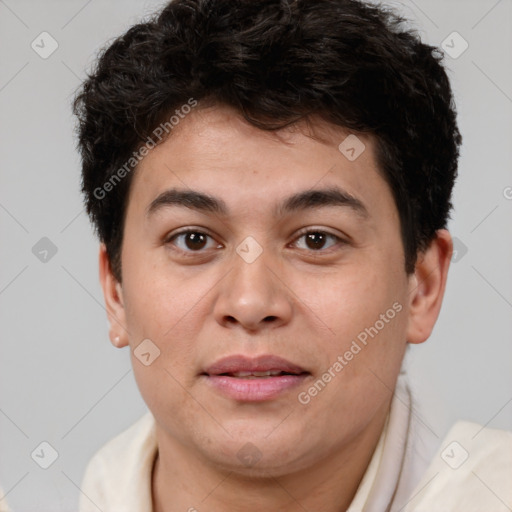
column 277, row 62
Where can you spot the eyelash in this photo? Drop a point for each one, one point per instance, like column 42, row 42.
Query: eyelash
column 190, row 253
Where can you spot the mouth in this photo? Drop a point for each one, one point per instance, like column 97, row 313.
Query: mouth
column 257, row 375
column 254, row 379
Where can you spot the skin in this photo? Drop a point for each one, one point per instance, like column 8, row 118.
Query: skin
column 303, row 302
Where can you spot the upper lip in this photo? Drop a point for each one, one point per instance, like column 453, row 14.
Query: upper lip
column 264, row 363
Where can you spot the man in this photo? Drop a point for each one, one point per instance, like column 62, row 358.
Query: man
column 271, row 182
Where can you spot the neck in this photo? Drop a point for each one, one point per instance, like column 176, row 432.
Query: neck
column 180, row 482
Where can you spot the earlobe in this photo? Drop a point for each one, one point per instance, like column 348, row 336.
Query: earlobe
column 427, row 286
column 114, row 304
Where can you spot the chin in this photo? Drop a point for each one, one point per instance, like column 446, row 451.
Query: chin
column 260, row 458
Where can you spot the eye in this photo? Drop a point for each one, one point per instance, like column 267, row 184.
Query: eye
column 315, row 240
column 192, row 241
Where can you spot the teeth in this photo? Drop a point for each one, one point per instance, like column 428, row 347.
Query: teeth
column 271, row 373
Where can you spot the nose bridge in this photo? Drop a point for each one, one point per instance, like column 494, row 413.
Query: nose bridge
column 252, row 295
column 251, row 273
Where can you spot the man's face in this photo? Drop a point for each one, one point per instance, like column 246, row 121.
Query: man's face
column 251, row 282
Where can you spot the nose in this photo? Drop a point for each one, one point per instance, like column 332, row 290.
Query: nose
column 253, row 296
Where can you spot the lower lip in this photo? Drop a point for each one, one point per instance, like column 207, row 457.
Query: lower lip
column 254, row 390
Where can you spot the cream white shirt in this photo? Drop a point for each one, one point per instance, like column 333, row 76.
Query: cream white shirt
column 118, row 477
column 3, row 502
column 471, row 472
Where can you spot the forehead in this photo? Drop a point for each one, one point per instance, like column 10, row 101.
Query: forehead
column 214, row 151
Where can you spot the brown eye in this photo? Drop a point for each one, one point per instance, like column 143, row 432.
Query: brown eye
column 195, row 241
column 191, row 241
column 316, row 240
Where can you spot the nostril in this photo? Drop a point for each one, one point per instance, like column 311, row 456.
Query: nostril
column 269, row 318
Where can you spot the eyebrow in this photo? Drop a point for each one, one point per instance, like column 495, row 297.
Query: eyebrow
column 307, row 200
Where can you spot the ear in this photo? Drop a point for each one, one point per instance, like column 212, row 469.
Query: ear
column 113, row 295
column 427, row 286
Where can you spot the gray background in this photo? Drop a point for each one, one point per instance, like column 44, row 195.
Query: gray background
column 62, row 382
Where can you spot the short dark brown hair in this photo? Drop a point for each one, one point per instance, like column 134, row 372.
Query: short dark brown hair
column 277, row 62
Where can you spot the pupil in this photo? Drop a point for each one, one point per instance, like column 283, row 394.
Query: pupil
column 317, row 240
column 195, row 240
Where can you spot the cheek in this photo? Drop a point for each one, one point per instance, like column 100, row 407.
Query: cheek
column 159, row 298
column 364, row 354
column 352, row 300
column 161, row 309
